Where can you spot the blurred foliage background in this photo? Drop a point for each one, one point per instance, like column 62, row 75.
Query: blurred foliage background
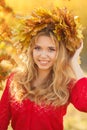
column 74, row 120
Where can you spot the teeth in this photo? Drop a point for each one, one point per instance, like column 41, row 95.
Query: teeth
column 43, row 62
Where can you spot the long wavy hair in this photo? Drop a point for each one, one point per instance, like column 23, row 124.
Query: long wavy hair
column 54, row 90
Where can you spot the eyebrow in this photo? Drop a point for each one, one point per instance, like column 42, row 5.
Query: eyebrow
column 52, row 47
column 48, row 46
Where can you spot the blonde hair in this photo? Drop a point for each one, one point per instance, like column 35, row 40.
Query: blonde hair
column 54, row 90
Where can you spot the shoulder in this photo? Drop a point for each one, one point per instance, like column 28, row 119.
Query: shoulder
column 77, row 83
column 81, row 85
column 10, row 77
column 79, row 88
column 6, row 91
column 8, row 82
column 81, row 81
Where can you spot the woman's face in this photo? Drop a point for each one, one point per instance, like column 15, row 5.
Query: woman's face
column 44, row 53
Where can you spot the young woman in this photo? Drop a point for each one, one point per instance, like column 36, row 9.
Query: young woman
column 37, row 97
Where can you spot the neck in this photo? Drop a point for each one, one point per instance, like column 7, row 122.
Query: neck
column 43, row 74
column 41, row 77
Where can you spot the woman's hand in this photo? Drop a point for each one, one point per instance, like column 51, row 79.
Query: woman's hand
column 75, row 63
column 77, row 53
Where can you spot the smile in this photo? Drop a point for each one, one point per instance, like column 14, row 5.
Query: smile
column 43, row 62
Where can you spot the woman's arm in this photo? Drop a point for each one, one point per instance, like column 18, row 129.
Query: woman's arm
column 75, row 64
column 78, row 94
column 5, row 112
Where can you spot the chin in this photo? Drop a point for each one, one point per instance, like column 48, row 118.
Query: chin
column 44, row 67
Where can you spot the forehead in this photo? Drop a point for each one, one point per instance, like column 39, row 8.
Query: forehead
column 45, row 41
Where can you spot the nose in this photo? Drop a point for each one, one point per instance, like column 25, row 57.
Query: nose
column 43, row 54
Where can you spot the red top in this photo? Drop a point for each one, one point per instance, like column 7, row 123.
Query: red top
column 29, row 116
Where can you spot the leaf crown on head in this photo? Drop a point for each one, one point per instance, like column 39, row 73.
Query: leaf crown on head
column 61, row 22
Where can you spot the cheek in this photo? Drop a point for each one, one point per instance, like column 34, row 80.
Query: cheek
column 35, row 55
column 53, row 56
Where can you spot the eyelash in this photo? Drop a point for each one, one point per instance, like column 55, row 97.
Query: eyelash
column 49, row 49
column 37, row 48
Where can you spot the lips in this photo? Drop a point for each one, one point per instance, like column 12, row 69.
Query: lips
column 43, row 62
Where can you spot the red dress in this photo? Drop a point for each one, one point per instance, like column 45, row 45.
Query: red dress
column 29, row 116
